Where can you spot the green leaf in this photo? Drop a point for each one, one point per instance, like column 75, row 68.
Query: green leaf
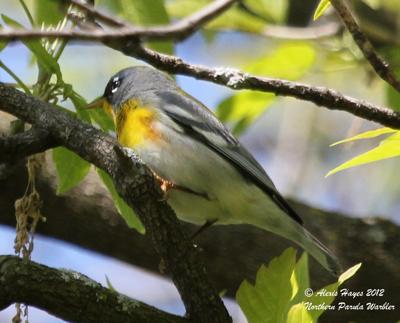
column 233, row 18
column 3, row 44
column 126, row 212
column 300, row 279
column 268, row 300
column 392, row 97
column 388, row 148
column 279, row 294
column 243, row 108
column 44, row 59
column 289, row 61
column 273, row 11
column 71, row 169
column 365, row 135
column 322, row 7
column 144, row 12
column 49, row 12
column 299, row 314
column 326, row 294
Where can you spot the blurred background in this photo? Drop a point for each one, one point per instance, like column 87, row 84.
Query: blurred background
column 290, row 138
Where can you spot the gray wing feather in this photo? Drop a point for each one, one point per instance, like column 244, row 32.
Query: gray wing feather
column 201, row 124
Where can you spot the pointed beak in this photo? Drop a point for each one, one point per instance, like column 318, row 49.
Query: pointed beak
column 96, row 103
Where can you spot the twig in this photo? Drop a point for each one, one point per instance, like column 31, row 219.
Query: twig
column 238, row 80
column 107, row 19
column 379, row 65
column 178, row 30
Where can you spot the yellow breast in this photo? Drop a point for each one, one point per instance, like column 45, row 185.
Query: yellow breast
column 134, row 124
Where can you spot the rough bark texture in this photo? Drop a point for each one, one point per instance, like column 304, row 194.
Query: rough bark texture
column 71, row 296
column 136, row 184
column 231, row 253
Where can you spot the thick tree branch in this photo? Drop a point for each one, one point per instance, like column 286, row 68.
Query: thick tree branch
column 24, row 144
column 178, row 30
column 93, row 223
column 70, row 295
column 379, row 65
column 136, row 184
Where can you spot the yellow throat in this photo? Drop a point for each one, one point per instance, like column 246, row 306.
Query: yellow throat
column 133, row 123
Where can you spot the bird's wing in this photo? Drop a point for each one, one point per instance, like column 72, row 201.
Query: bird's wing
column 202, row 125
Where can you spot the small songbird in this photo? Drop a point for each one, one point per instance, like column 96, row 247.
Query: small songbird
column 210, row 177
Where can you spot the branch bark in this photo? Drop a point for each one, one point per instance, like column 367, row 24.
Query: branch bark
column 25, row 144
column 93, row 223
column 238, row 80
column 136, row 184
column 178, row 30
column 129, row 44
column 70, row 295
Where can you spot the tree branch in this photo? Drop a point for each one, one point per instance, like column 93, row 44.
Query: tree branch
column 238, row 80
column 93, row 223
column 25, row 144
column 379, row 65
column 137, row 186
column 232, row 78
column 178, row 30
column 70, row 295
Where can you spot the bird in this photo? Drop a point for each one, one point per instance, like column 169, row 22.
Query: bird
column 209, row 177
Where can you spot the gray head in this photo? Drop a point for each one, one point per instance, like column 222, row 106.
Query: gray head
column 132, row 81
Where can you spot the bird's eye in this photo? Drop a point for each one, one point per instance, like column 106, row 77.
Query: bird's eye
column 115, row 84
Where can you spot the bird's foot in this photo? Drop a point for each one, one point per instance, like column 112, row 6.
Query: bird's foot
column 165, row 186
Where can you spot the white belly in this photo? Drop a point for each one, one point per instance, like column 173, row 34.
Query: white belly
column 231, row 199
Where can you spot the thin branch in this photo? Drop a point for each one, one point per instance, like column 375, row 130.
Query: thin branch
column 238, row 80
column 178, row 30
column 318, row 31
column 379, row 65
column 136, row 185
column 103, row 17
column 71, row 296
column 25, row 144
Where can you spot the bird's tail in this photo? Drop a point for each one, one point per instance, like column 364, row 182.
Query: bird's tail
column 295, row 232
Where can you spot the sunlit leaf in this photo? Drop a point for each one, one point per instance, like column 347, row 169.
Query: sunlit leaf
column 322, row 7
column 144, row 12
column 126, row 212
column 243, row 108
column 299, row 314
column 71, row 169
column 388, row 148
column 300, row 279
column 326, row 294
column 268, row 300
column 44, row 59
column 289, row 61
column 366, row 135
column 282, row 291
